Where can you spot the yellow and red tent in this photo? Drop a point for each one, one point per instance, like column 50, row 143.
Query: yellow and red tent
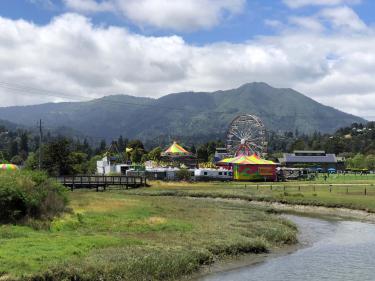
column 8, row 167
column 251, row 168
column 247, row 160
column 175, row 148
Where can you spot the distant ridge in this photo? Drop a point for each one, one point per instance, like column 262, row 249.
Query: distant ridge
column 188, row 114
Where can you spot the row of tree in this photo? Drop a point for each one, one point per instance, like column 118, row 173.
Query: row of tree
column 62, row 155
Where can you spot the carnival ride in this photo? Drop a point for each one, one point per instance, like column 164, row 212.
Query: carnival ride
column 246, row 136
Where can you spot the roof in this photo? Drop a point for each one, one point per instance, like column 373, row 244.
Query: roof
column 247, row 160
column 292, row 158
column 175, row 148
column 309, row 152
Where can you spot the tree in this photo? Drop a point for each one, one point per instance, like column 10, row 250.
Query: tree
column 121, row 143
column 358, row 161
column 24, row 143
column 193, row 149
column 136, row 144
column 56, row 160
column 370, row 162
column 13, row 149
column 136, row 156
column 298, row 145
column 16, row 160
column 183, row 174
column 202, row 153
column 102, row 146
column 155, row 154
column 86, row 148
column 78, row 162
column 31, row 162
column 92, row 165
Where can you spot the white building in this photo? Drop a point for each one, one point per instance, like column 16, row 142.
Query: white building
column 106, row 167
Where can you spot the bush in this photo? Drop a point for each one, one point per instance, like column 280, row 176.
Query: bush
column 183, row 175
column 29, row 195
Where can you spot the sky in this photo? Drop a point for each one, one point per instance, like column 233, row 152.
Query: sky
column 70, row 50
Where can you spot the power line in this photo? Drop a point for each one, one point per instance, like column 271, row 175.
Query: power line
column 23, row 89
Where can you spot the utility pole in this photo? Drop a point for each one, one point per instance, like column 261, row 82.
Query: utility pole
column 40, row 143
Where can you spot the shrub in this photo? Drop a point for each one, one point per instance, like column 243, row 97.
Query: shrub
column 183, row 174
column 29, row 195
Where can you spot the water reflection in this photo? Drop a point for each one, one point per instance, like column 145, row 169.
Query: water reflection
column 335, row 250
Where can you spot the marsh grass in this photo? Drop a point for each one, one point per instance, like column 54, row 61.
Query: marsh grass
column 118, row 236
column 350, row 191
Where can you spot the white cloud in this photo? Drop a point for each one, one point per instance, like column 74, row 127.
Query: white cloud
column 337, row 18
column 90, row 6
column 178, row 15
column 47, row 4
column 307, row 23
column 343, row 17
column 302, row 3
column 70, row 55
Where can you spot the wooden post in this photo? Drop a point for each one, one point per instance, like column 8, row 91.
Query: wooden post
column 299, row 188
column 284, row 188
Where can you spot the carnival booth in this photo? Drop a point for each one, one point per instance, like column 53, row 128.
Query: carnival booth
column 251, row 168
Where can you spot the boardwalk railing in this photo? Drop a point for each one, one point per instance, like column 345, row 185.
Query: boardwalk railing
column 97, row 182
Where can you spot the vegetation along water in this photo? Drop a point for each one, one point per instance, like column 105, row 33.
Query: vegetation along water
column 332, row 250
column 115, row 235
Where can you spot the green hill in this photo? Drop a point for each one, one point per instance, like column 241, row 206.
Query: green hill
column 189, row 114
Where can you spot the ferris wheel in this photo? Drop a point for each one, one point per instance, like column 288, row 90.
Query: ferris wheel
column 246, row 135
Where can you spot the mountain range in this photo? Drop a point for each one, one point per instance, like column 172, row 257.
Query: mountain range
column 200, row 115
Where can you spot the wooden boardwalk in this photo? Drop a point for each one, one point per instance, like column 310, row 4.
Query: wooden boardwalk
column 104, row 182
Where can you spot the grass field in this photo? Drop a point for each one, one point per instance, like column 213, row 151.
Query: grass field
column 118, row 236
column 349, row 191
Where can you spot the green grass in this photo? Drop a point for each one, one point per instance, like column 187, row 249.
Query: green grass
column 350, row 191
column 118, row 236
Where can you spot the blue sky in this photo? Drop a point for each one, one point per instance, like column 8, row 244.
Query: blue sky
column 92, row 48
column 242, row 27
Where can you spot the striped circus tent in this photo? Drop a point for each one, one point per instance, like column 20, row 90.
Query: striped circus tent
column 251, row 168
column 247, row 160
column 176, row 149
column 8, row 167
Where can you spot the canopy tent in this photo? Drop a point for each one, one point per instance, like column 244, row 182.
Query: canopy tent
column 247, row 160
column 176, row 149
column 176, row 155
column 251, row 168
column 8, row 167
